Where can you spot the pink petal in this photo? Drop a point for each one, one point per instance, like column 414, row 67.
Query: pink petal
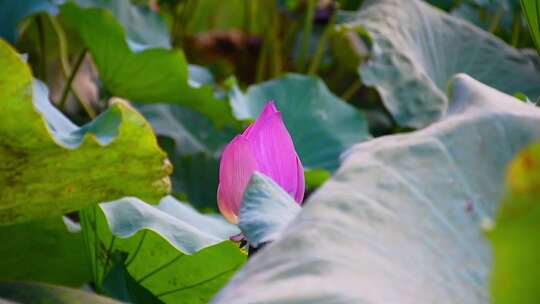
column 299, row 196
column 274, row 150
column 237, row 164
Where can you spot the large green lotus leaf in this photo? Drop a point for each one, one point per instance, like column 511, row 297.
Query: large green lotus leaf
column 173, row 251
column 45, row 251
column 149, row 75
column 400, row 222
column 515, row 236
column 416, row 49
column 12, row 11
column 321, row 125
column 51, row 166
column 23, row 292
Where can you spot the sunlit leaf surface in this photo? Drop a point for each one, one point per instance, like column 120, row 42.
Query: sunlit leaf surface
column 51, row 166
column 515, row 241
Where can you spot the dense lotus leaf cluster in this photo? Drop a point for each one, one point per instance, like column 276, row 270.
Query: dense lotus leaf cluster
column 301, row 151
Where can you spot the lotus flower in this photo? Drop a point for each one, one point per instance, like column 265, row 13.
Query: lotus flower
column 265, row 146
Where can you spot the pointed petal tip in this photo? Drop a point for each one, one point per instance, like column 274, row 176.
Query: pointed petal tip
column 271, row 103
column 268, row 115
column 270, row 108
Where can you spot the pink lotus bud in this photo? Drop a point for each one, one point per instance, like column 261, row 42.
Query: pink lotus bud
column 265, row 146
